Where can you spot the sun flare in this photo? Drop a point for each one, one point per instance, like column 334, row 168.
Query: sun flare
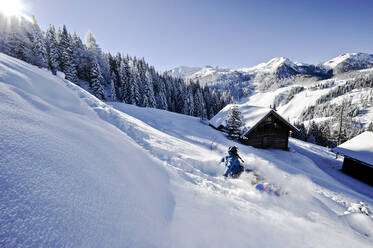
column 11, row 7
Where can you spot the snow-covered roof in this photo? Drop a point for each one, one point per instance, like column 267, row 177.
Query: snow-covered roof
column 359, row 148
column 252, row 115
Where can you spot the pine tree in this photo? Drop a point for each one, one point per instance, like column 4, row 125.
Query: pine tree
column 95, row 51
column 80, row 57
column 302, row 132
column 179, row 97
column 199, row 104
column 66, row 59
column 135, row 89
column 149, row 99
column 313, row 133
column 91, row 44
column 343, row 120
column 113, row 92
column 208, row 100
column 162, row 99
column 325, row 137
column 234, row 123
column 188, row 107
column 52, row 49
column 96, row 81
column 38, row 45
column 127, row 85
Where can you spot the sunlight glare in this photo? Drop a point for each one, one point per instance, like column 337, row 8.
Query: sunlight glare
column 11, row 7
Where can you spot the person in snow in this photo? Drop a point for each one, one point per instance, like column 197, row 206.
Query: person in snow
column 234, row 167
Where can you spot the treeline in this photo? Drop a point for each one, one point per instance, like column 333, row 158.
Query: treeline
column 361, row 82
column 326, row 134
column 109, row 77
column 337, row 124
column 324, row 108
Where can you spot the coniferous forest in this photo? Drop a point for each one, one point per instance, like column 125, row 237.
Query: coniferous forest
column 109, row 77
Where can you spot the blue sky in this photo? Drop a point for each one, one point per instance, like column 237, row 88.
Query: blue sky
column 225, row 33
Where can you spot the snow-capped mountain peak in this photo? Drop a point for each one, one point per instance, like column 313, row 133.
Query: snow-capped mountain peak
column 271, row 66
column 349, row 61
column 271, row 74
column 183, row 71
column 196, row 72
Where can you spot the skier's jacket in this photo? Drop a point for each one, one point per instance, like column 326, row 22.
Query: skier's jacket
column 232, row 164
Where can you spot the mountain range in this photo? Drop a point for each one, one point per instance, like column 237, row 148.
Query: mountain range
column 279, row 67
column 302, row 93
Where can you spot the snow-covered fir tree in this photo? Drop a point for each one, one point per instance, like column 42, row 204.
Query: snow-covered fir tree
column 113, row 93
column 91, row 44
column 160, row 92
column 302, row 132
column 135, row 88
column 234, row 123
column 149, row 99
column 66, row 56
column 344, row 121
column 38, row 45
column 52, row 49
column 188, row 107
column 96, row 81
column 80, row 57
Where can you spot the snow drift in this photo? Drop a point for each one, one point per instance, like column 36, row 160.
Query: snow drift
column 68, row 178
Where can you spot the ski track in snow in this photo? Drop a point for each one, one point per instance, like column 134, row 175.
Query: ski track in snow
column 208, row 210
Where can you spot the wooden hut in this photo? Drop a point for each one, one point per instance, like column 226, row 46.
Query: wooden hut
column 263, row 127
column 358, row 157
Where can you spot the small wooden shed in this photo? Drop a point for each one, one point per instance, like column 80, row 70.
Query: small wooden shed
column 358, row 157
column 263, row 127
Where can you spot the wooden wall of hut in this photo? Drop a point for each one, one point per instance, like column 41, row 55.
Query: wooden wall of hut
column 270, row 133
column 358, row 170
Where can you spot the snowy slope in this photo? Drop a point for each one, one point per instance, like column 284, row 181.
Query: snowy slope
column 67, row 177
column 316, row 200
column 309, row 95
column 72, row 175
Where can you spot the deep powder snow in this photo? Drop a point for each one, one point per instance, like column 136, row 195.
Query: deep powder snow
column 76, row 172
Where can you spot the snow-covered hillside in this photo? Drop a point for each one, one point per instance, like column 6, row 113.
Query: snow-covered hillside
column 76, row 172
column 294, row 100
column 301, row 92
column 67, row 177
